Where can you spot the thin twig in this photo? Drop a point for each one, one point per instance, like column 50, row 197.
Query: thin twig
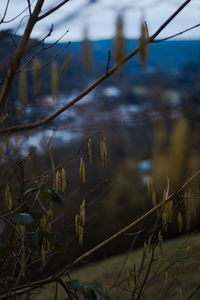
column 193, row 293
column 108, row 62
column 52, row 10
column 5, row 12
column 29, row 7
column 177, row 34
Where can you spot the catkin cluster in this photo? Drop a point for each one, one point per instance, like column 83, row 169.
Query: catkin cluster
column 103, row 151
column 8, row 198
column 80, row 222
column 60, row 182
column 119, row 41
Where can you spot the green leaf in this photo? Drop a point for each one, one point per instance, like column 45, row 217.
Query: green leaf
column 100, row 290
column 38, row 238
column 74, row 285
column 53, row 196
column 22, row 219
column 89, row 293
column 30, row 191
column 5, row 252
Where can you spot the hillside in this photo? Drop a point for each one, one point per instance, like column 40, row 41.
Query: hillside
column 170, row 57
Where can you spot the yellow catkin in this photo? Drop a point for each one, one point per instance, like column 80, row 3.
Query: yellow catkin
column 180, row 222
column 43, row 258
column 160, row 261
column 48, row 246
column 23, row 85
column 135, row 276
column 164, row 220
column 80, row 235
column 23, row 266
column 145, row 249
column 58, row 182
column 77, row 222
column 188, row 250
column 66, row 63
column 160, row 240
column 82, row 170
column 87, row 52
column 8, row 197
column 21, row 229
column 119, row 41
column 50, row 214
column 63, row 177
column 135, row 296
column 154, row 202
column 36, row 75
column 179, row 294
column 166, row 273
column 143, row 53
column 54, row 79
column 166, row 277
column 90, row 150
column 103, row 151
column 129, row 277
column 164, row 195
column 149, row 246
column 170, row 209
column 43, row 222
column 82, row 214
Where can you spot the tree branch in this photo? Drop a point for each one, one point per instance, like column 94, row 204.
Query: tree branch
column 18, row 55
column 177, row 34
column 5, row 12
column 52, row 10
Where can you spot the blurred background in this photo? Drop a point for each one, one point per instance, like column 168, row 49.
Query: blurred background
column 148, row 112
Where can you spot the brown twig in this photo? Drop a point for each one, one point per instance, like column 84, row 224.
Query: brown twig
column 194, row 292
column 177, row 34
column 52, row 10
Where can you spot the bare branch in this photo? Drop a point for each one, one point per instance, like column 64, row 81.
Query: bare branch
column 18, row 55
column 17, row 16
column 170, row 19
column 5, row 12
column 52, row 10
column 108, row 62
column 177, row 34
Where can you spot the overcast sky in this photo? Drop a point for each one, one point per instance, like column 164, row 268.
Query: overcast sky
column 100, row 18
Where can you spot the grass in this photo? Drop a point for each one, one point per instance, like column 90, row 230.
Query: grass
column 174, row 273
